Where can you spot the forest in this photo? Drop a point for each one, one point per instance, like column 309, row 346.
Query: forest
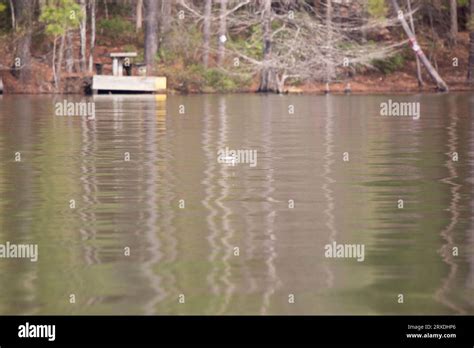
column 209, row 46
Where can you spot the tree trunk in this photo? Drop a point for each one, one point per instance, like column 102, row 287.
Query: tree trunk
column 418, row 64
column 453, row 8
column 206, row 32
column 139, row 16
column 83, row 30
column 442, row 86
column 317, row 6
column 106, row 8
column 53, row 65
column 92, row 44
column 222, row 32
column 41, row 5
column 165, row 21
column 12, row 10
column 69, row 52
column 151, row 35
column 165, row 16
column 268, row 81
column 280, row 81
column 470, row 67
column 329, row 65
column 60, row 62
column 24, row 18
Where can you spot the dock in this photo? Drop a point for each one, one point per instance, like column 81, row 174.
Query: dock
column 124, row 84
column 119, row 82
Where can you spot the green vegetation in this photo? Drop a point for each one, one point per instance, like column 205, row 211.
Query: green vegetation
column 5, row 18
column 182, row 45
column 179, row 58
column 219, row 80
column 195, row 78
column 61, row 16
column 117, row 29
column 251, row 45
column 377, row 8
column 470, row 24
column 390, row 64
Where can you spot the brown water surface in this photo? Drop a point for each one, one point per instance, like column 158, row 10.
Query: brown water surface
column 188, row 247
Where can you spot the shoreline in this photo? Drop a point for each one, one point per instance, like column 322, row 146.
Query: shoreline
column 395, row 83
column 303, row 92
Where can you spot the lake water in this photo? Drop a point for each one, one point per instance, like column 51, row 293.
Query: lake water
column 231, row 237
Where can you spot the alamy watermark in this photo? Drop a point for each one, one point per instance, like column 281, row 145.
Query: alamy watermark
column 81, row 109
column 21, row 251
column 234, row 157
column 28, row 330
column 402, row 109
column 346, row 251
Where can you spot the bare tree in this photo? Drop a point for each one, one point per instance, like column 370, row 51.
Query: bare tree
column 267, row 77
column 206, row 15
column 206, row 32
column 69, row 52
column 222, row 32
column 138, row 15
column 151, row 35
column 329, row 68
column 92, row 39
column 453, row 11
column 418, row 64
column 83, row 31
column 24, row 19
column 12, row 11
column 317, row 6
column 165, row 16
column 295, row 41
column 57, row 70
column 165, row 21
column 470, row 69
column 442, row 86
